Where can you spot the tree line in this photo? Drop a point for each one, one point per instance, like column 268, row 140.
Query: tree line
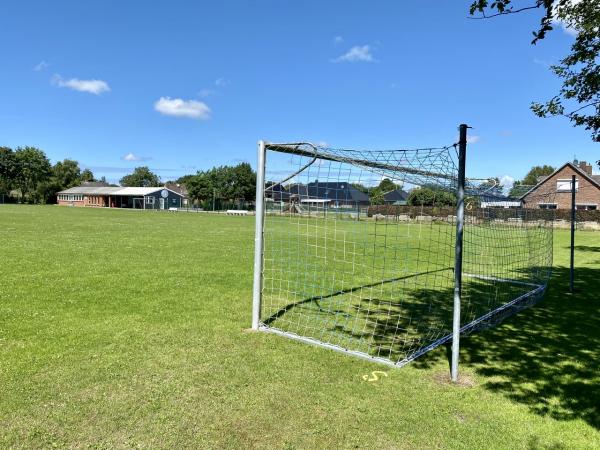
column 27, row 173
column 234, row 184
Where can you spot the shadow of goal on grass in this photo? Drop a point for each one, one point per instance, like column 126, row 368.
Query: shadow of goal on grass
column 546, row 357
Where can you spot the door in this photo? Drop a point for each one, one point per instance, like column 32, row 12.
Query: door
column 162, row 203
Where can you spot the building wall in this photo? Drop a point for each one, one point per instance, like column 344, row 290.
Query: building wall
column 172, row 201
column 70, row 203
column 88, row 200
column 587, row 192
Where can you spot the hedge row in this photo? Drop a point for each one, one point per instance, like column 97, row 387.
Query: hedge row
column 493, row 213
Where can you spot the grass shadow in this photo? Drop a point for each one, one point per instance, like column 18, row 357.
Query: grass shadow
column 546, row 357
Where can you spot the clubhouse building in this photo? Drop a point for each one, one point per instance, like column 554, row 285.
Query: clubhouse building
column 122, row 197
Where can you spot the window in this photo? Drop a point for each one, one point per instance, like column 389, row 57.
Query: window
column 149, row 200
column 586, row 207
column 547, row 205
column 174, row 201
column 564, row 185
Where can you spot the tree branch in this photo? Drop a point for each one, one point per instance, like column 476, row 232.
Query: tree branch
column 507, row 12
column 583, row 107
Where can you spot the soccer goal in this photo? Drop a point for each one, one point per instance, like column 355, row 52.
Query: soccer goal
column 387, row 254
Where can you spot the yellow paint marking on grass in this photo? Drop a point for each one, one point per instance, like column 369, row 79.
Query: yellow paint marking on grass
column 374, row 375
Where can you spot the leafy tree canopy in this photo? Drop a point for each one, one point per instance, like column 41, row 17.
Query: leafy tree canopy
column 224, row 182
column 377, row 195
column 141, row 177
column 66, row 173
column 429, row 196
column 579, row 97
column 535, row 172
column 32, row 169
column 88, row 176
column 7, row 169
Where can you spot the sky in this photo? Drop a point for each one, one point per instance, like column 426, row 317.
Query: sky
column 182, row 86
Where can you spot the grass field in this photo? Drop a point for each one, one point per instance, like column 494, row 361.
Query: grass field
column 126, row 329
column 385, row 288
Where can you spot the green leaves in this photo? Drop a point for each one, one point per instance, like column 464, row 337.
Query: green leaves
column 141, row 177
column 431, row 196
column 224, row 182
column 579, row 97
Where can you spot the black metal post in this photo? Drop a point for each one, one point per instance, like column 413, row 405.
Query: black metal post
column 458, row 258
column 572, row 271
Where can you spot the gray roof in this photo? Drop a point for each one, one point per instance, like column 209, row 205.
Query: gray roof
column 92, row 190
column 397, row 195
column 339, row 191
column 108, row 190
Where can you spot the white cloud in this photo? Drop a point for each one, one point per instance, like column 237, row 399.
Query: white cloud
column 133, row 157
column 41, row 66
column 178, row 107
column 221, row 82
column 358, row 53
column 507, row 182
column 473, row 139
column 96, row 87
column 566, row 28
column 338, row 40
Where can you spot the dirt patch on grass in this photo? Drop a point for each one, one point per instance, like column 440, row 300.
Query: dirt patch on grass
column 464, row 379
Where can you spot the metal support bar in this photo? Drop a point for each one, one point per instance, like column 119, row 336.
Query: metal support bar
column 258, row 235
column 460, row 221
column 572, row 266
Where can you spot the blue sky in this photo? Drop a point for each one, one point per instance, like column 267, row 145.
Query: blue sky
column 182, row 85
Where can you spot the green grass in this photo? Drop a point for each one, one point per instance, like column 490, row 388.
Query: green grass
column 385, row 288
column 126, row 329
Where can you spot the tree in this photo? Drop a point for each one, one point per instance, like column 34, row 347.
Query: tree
column 141, row 177
column 87, row 176
column 66, row 174
column 184, row 179
column 377, row 195
column 431, row 196
column 535, row 172
column 518, row 190
column 224, row 182
column 7, row 169
column 243, row 184
column 32, row 168
column 579, row 97
column 200, row 186
column 387, row 185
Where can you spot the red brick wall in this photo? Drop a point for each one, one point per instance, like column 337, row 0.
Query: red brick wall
column 70, row 203
column 587, row 192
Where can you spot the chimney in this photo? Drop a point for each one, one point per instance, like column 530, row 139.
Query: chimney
column 587, row 168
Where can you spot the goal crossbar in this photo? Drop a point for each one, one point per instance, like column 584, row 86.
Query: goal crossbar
column 295, row 149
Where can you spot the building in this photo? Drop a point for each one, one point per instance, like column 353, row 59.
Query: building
column 330, row 194
column 275, row 192
column 181, row 189
column 395, row 197
column 554, row 191
column 121, row 197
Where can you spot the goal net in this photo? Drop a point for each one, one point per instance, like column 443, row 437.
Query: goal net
column 358, row 250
